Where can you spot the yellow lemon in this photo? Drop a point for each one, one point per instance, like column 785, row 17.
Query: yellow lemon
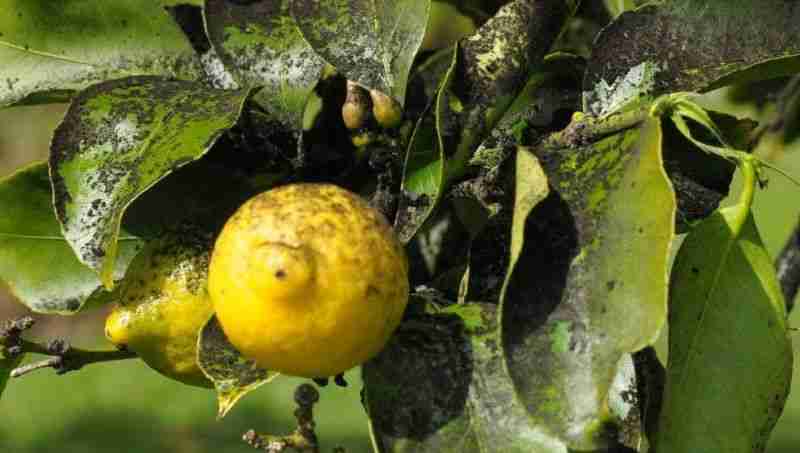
column 308, row 280
column 162, row 304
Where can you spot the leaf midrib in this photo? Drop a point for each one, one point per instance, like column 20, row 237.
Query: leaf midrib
column 42, row 53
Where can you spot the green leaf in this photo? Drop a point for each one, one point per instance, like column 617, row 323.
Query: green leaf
column 119, row 138
column 702, row 180
column 424, row 169
column 617, row 7
column 446, row 25
column 36, row 262
column 730, row 358
column 261, row 45
column 440, row 386
column 530, row 188
column 677, row 44
column 370, row 42
column 58, row 50
column 233, row 375
column 590, row 284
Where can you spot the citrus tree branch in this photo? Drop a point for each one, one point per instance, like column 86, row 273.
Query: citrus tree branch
column 303, row 439
column 584, row 129
column 64, row 358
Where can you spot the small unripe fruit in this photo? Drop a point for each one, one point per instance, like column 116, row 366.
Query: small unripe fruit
column 386, row 110
column 355, row 110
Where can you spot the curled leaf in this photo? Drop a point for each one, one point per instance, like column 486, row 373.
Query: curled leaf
column 262, row 46
column 233, row 375
column 119, row 138
column 372, row 42
column 592, row 287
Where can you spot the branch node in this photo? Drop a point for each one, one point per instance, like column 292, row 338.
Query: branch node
column 303, row 439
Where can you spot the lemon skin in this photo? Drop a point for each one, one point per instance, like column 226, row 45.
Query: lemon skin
column 308, row 280
column 163, row 302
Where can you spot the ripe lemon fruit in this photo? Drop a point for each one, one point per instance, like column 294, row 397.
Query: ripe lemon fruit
column 308, row 280
column 163, row 303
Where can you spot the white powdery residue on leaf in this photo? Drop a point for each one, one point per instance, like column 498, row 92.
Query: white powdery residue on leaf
column 218, row 75
column 607, row 98
column 621, row 397
column 124, row 135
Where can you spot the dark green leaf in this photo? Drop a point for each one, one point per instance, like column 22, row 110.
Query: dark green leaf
column 370, row 42
column 233, row 375
column 69, row 46
column 36, row 262
column 730, row 358
column 117, row 140
column 424, row 170
column 678, row 46
column 590, row 284
column 262, row 46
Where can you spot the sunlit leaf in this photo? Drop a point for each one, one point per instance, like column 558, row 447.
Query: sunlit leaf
column 49, row 51
column 372, row 42
column 530, row 188
column 730, row 357
column 118, row 139
column 590, row 284
column 233, row 375
column 262, row 46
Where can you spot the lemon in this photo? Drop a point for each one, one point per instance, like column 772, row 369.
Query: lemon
column 162, row 304
column 308, row 280
column 387, row 112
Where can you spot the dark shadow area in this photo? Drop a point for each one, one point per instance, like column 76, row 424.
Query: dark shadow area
column 190, row 19
column 540, row 277
column 420, row 382
column 701, row 180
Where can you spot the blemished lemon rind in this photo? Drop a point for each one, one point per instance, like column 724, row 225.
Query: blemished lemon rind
column 163, row 303
column 308, row 280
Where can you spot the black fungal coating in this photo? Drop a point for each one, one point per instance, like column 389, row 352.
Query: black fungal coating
column 117, row 178
column 272, row 48
column 222, row 363
column 420, row 381
column 687, row 48
column 525, row 30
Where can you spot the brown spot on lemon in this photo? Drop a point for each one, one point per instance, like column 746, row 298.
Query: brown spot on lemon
column 308, row 280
